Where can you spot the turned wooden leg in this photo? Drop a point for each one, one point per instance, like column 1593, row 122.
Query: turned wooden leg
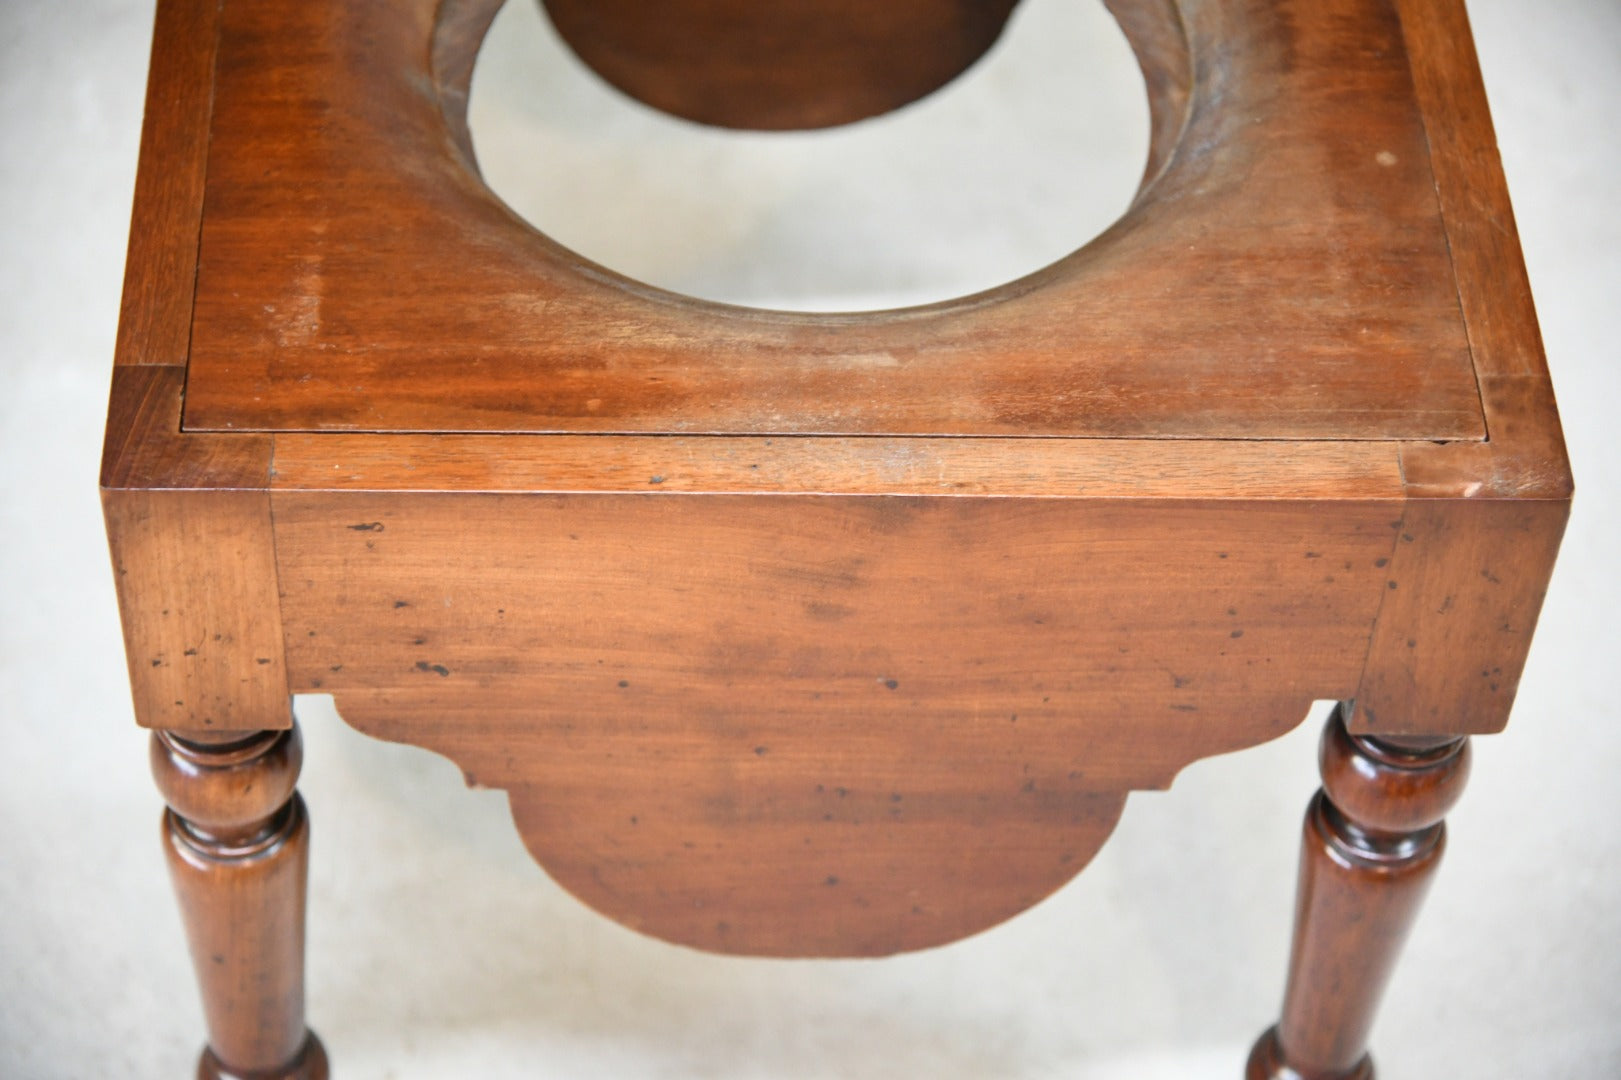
column 237, row 840
column 1373, row 839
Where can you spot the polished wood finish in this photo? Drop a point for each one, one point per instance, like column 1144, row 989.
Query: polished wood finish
column 738, row 63
column 154, row 325
column 828, row 635
column 237, row 839
column 937, row 703
column 188, row 522
column 371, row 282
column 1373, row 840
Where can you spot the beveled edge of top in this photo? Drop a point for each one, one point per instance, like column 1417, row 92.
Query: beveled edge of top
column 1523, row 455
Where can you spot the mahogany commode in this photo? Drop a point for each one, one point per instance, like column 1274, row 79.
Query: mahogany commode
column 824, row 635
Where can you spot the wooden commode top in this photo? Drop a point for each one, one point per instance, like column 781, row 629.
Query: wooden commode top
column 1283, row 273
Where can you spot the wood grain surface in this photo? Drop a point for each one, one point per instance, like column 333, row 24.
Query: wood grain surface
column 1284, row 276
column 803, row 465
column 154, row 324
column 1484, row 521
column 194, row 562
column 712, row 710
column 738, row 63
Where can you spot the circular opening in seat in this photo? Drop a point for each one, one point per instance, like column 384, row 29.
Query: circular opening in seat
column 1027, row 156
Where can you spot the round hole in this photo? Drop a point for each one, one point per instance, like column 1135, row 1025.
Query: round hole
column 1031, row 153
